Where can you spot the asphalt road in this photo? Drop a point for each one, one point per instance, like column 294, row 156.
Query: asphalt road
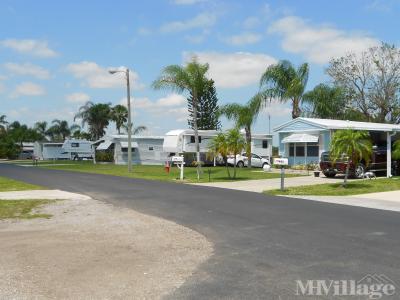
column 263, row 244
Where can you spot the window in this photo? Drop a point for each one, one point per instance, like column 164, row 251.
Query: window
column 255, row 156
column 125, row 150
column 192, row 139
column 300, row 150
column 75, row 145
column 265, row 144
column 291, row 149
column 151, row 148
column 312, row 149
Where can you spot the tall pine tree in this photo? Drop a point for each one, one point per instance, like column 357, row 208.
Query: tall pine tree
column 207, row 109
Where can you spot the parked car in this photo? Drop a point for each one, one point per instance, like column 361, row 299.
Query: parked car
column 377, row 164
column 241, row 160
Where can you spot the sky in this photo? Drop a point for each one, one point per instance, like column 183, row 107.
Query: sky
column 55, row 55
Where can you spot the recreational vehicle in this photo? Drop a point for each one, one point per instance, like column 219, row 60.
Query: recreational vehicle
column 78, row 149
column 182, row 141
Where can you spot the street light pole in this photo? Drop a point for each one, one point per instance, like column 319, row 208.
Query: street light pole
column 128, row 98
column 128, row 93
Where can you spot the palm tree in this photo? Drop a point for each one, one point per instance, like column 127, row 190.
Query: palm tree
column 60, row 129
column 355, row 145
column 119, row 114
column 41, row 128
column 3, row 123
column 235, row 144
column 97, row 116
column 244, row 116
column 396, row 150
column 189, row 79
column 286, row 83
column 135, row 130
column 218, row 145
column 325, row 102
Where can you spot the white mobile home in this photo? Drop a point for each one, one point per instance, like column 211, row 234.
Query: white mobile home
column 146, row 150
column 49, row 150
column 26, row 150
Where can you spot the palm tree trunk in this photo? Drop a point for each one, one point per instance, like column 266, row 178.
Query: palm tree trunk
column 234, row 166
column 196, row 135
column 295, row 108
column 346, row 176
column 227, row 167
column 248, row 146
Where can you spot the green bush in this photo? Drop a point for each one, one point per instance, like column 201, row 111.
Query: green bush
column 104, row 156
column 8, row 148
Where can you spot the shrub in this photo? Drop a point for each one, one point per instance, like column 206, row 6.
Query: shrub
column 104, row 156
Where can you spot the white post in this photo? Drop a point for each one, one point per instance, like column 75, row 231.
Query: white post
column 182, row 166
column 388, row 155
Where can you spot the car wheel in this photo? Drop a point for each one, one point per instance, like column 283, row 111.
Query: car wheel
column 240, row 164
column 359, row 171
column 329, row 174
column 265, row 164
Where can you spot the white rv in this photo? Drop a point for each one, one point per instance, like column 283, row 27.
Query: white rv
column 181, row 141
column 146, row 150
column 78, row 149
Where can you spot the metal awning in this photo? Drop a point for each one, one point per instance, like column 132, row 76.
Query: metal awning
column 104, row 145
column 125, row 145
column 300, row 138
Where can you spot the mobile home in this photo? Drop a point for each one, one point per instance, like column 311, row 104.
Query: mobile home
column 69, row 149
column 146, row 150
column 303, row 140
column 26, row 150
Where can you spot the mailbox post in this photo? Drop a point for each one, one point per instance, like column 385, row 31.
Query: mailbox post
column 282, row 162
column 178, row 161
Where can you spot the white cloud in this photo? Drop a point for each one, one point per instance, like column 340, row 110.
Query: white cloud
column 187, row 2
column 29, row 46
column 318, row 43
column 95, row 76
column 174, row 106
column 28, row 89
column 27, row 69
column 203, row 20
column 244, row 38
column 276, row 108
column 233, row 70
column 79, row 98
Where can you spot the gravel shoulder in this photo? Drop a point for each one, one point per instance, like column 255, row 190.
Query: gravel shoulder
column 90, row 249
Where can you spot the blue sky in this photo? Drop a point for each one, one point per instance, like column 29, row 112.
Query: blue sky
column 54, row 55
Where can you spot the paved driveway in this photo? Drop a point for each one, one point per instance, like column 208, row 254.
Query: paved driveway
column 263, row 244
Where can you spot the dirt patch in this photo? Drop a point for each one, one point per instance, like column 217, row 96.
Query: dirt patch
column 91, row 250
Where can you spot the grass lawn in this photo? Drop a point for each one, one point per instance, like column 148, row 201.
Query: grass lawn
column 158, row 172
column 7, row 184
column 336, row 189
column 22, row 209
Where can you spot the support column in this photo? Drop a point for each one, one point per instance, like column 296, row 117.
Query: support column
column 388, row 155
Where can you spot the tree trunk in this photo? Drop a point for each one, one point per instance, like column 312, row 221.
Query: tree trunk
column 295, row 108
column 346, row 176
column 227, row 167
column 196, row 136
column 234, row 166
column 248, row 146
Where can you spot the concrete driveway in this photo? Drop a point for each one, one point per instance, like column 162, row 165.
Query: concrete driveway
column 261, row 185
